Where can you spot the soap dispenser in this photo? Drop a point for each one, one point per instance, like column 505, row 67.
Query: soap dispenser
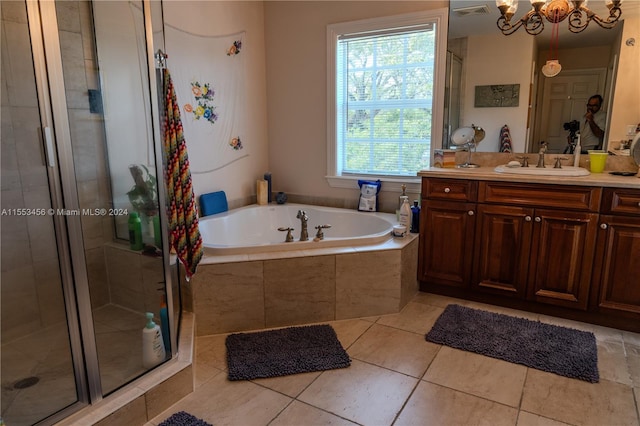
column 153, row 352
column 400, row 200
column 405, row 213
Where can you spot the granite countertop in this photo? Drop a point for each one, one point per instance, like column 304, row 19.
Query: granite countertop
column 488, row 161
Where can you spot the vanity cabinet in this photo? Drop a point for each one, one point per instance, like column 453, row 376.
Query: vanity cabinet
column 617, row 272
column 536, row 242
column 447, row 229
column 565, row 250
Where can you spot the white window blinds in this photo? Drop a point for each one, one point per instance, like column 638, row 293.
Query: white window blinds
column 384, row 99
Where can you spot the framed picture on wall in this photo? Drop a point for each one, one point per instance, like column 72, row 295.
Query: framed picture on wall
column 497, row 95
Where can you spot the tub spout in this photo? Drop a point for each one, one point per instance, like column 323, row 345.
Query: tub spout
column 304, row 234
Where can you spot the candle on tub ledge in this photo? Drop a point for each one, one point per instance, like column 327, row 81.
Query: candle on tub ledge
column 261, row 192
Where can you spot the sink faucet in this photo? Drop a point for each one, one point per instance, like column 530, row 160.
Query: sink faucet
column 543, row 149
column 304, row 234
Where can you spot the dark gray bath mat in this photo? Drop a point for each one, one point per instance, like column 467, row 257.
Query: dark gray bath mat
column 182, row 418
column 285, row 351
column 560, row 350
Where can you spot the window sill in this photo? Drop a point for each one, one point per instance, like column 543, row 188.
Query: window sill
column 389, row 184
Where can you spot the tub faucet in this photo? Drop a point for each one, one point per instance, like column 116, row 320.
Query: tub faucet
column 543, row 150
column 304, row 234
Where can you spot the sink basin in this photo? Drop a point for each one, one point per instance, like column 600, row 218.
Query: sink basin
column 547, row 171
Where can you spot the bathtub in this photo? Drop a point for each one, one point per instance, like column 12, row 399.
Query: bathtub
column 254, row 228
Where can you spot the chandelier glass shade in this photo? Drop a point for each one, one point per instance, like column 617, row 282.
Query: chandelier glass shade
column 576, row 12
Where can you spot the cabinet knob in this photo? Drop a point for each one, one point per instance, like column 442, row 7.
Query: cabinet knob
column 527, row 218
column 447, row 190
column 603, row 226
column 538, row 219
column 470, row 213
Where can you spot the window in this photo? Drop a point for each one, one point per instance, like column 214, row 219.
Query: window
column 383, row 98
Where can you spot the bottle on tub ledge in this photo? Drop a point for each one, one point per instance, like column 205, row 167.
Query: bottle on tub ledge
column 415, row 217
column 400, row 200
column 405, row 213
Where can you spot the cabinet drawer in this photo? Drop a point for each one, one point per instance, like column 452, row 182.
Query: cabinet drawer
column 558, row 196
column 621, row 201
column 449, row 189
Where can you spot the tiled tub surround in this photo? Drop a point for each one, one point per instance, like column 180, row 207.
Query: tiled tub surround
column 255, row 291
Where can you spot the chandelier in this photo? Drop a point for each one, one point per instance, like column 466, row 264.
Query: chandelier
column 555, row 11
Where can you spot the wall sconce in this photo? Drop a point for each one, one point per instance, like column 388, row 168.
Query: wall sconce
column 555, row 11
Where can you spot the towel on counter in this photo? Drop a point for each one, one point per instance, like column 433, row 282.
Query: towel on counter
column 184, row 233
column 505, row 139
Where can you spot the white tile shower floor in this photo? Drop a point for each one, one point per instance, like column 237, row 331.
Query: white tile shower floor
column 398, row 378
column 45, row 356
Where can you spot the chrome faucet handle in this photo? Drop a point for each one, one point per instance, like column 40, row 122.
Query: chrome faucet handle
column 289, row 237
column 558, row 163
column 320, row 234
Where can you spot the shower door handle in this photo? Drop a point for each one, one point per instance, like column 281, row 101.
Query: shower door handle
column 48, row 143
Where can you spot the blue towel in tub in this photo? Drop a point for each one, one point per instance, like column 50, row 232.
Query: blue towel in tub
column 213, row 202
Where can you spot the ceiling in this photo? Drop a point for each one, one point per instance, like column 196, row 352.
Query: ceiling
column 464, row 23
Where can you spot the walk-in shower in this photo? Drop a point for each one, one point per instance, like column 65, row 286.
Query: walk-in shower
column 80, row 137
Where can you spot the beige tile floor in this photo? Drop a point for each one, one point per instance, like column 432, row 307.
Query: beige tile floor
column 398, row 378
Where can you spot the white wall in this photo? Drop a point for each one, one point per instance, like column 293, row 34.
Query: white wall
column 514, row 54
column 297, row 87
column 626, row 108
column 213, row 18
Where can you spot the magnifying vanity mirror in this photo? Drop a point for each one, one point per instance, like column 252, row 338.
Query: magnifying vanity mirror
column 497, row 80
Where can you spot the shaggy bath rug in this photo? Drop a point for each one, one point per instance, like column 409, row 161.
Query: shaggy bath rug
column 560, row 350
column 182, row 418
column 284, row 351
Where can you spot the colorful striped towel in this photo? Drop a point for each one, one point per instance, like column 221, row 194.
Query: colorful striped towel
column 184, row 234
column 505, row 139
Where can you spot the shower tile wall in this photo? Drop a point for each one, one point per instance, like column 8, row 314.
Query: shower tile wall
column 134, row 279
column 87, row 139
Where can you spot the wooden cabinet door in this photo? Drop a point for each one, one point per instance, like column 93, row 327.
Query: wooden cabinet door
column 619, row 273
column 446, row 242
column 562, row 257
column 502, row 250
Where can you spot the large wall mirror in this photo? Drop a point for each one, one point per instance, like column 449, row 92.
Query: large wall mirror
column 495, row 80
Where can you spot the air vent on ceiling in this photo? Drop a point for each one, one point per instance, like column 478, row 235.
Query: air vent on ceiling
column 472, row 10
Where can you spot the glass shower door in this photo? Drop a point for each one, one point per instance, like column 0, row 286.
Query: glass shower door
column 38, row 373
column 74, row 293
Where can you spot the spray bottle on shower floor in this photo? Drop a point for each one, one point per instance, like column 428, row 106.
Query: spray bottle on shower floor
column 153, row 352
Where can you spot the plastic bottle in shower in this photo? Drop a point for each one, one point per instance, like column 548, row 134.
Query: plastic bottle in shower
column 135, row 232
column 405, row 213
column 153, row 352
column 164, row 321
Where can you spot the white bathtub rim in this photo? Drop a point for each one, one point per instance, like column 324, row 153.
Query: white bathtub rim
column 296, row 245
